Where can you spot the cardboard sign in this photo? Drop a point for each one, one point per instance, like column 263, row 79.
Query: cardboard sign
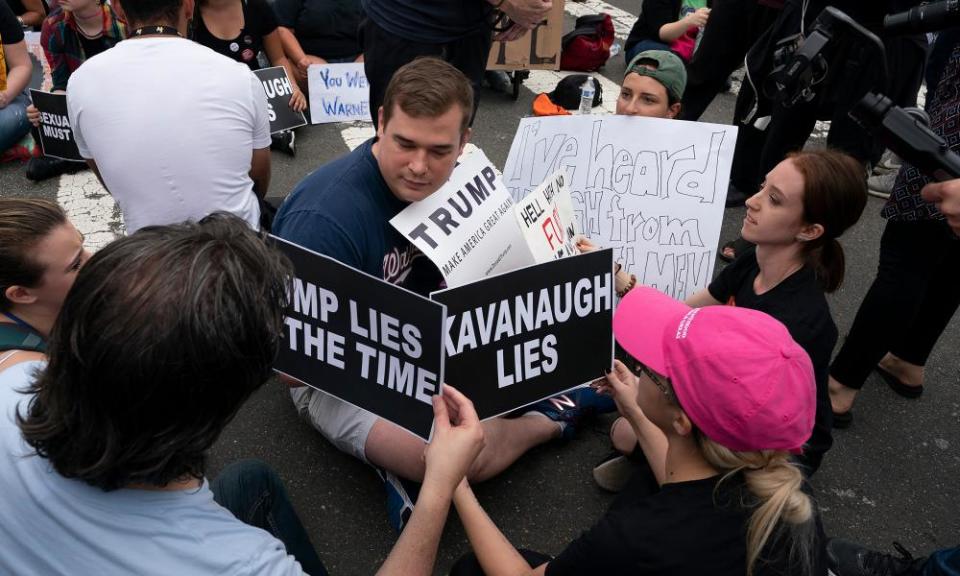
column 338, row 93
column 650, row 188
column 466, row 227
column 546, row 218
column 279, row 90
column 362, row 340
column 56, row 134
column 538, row 49
column 530, row 334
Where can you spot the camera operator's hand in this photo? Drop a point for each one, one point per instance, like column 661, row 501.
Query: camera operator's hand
column 946, row 197
column 526, row 13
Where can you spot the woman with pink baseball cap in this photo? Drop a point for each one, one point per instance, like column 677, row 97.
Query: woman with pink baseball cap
column 734, row 397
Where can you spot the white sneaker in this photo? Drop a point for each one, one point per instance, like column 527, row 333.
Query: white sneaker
column 881, row 185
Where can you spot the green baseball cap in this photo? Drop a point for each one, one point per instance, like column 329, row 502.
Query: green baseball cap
column 664, row 67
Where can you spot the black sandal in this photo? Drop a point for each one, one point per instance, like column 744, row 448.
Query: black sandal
column 842, row 420
column 899, row 387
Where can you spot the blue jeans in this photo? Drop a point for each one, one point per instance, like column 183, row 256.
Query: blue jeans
column 944, row 562
column 254, row 493
column 13, row 121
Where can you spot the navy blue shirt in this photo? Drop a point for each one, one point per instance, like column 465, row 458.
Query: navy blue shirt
column 343, row 210
column 430, row 21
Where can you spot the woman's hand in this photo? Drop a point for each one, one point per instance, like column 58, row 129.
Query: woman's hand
column 585, row 245
column 33, row 115
column 622, row 385
column 698, row 17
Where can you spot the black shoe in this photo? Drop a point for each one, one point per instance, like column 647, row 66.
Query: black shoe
column 285, row 141
column 897, row 386
column 44, row 167
column 844, row 558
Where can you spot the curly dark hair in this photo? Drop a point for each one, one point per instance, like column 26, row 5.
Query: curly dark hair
column 164, row 335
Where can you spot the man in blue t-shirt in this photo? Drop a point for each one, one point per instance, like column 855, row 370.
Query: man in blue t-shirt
column 343, row 210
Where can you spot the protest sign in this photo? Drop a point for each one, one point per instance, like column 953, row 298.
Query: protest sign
column 363, row 340
column 538, row 49
column 279, row 90
column 650, row 188
column 466, row 227
column 56, row 134
column 546, row 218
column 338, row 93
column 530, row 334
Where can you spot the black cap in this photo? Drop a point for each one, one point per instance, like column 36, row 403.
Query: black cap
column 567, row 92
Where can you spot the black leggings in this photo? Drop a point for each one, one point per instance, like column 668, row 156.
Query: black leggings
column 910, row 302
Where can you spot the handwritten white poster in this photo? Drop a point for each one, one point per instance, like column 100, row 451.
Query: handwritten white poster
column 467, row 227
column 338, row 93
column 546, row 218
column 652, row 189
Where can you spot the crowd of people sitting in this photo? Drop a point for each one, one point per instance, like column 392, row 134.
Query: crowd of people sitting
column 724, row 403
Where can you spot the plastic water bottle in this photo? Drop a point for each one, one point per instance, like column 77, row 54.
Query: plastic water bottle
column 586, row 96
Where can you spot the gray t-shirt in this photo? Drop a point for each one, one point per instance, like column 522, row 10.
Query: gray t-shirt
column 54, row 525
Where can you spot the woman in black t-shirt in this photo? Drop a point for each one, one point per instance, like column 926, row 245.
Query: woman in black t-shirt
column 240, row 29
column 733, row 396
column 806, row 202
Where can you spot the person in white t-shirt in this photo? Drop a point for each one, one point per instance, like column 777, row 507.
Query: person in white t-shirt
column 173, row 130
column 103, row 448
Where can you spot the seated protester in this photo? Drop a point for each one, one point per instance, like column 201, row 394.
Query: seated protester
column 652, row 85
column 40, row 254
column 113, row 473
column 343, row 210
column 240, row 29
column 805, row 204
column 15, row 71
column 29, row 13
column 73, row 33
column 667, row 25
column 181, row 132
column 319, row 32
column 734, row 396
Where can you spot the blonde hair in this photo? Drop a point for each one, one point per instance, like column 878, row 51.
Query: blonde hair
column 776, row 482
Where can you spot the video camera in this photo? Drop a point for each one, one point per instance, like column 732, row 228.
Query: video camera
column 801, row 64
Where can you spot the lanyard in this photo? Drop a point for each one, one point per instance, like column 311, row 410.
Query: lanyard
column 20, row 322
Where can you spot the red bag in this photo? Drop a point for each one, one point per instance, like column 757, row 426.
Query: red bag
column 587, row 47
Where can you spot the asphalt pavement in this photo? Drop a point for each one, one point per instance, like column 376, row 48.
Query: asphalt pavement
column 891, row 476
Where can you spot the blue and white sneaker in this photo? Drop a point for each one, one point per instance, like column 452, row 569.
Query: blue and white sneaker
column 569, row 409
column 401, row 497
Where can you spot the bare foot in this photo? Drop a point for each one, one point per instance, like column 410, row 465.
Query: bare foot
column 841, row 397
column 907, row 373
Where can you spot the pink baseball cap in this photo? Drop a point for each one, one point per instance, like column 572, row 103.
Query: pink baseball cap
column 737, row 373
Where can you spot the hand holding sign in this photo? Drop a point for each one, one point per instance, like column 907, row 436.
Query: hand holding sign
column 286, row 103
column 456, row 443
column 56, row 134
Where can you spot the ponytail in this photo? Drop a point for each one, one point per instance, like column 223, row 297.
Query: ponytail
column 829, row 263
column 776, row 483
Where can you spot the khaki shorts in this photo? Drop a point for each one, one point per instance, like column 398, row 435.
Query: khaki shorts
column 341, row 423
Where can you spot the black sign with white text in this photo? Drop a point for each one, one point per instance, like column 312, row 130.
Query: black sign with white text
column 279, row 89
column 530, row 334
column 363, row 340
column 56, row 134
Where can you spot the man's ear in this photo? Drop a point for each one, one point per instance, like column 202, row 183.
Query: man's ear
column 465, row 138
column 380, row 123
column 19, row 295
column 673, row 110
column 810, row 232
column 187, row 13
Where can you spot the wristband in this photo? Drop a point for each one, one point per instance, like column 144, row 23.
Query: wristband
column 628, row 287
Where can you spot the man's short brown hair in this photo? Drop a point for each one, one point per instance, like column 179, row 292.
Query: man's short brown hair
column 426, row 88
